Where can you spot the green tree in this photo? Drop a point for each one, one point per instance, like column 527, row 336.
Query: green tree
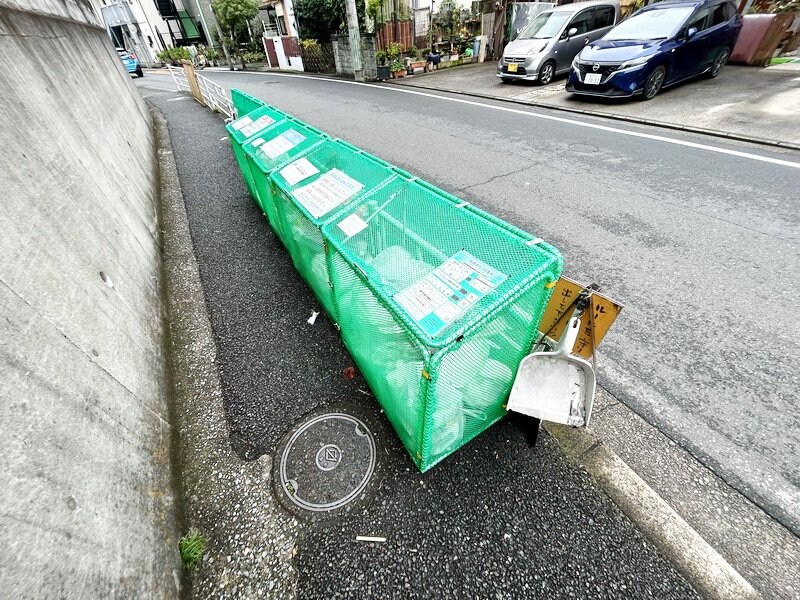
column 320, row 19
column 233, row 17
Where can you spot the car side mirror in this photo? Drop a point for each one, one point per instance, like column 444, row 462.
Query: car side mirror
column 572, row 31
column 691, row 33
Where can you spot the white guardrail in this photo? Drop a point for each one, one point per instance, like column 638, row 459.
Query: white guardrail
column 211, row 94
column 179, row 77
column 216, row 96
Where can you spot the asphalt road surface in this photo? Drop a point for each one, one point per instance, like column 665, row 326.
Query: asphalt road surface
column 698, row 238
column 497, row 519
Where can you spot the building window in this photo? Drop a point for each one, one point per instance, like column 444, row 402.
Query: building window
column 275, row 23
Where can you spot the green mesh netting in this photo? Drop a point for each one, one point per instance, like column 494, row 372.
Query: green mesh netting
column 244, row 128
column 437, row 302
column 244, row 103
column 310, row 191
column 279, row 144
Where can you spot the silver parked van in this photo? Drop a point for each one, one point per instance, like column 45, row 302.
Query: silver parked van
column 546, row 47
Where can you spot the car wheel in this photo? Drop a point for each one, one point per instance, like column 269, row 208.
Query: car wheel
column 139, row 72
column 546, row 72
column 653, row 84
column 719, row 62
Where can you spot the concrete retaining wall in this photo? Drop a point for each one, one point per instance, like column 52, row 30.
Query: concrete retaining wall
column 343, row 56
column 86, row 505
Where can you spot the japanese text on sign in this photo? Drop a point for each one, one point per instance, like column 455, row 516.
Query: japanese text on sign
column 252, row 128
column 281, row 144
column 326, row 193
column 298, row 171
column 595, row 323
column 439, row 298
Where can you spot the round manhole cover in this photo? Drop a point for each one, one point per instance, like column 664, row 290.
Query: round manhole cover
column 327, row 462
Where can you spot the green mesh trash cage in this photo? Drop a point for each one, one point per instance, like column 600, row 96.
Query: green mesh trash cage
column 438, row 303
column 281, row 143
column 309, row 191
column 397, row 170
column 243, row 129
column 244, row 103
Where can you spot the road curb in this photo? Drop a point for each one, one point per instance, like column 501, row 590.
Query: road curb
column 702, row 566
column 727, row 135
column 250, row 540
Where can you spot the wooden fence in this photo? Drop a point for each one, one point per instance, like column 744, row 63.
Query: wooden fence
column 396, row 31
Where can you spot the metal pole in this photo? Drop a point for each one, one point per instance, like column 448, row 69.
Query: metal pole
column 355, row 39
column 430, row 25
column 394, row 18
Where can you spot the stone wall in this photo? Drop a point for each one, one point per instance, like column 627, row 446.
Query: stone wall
column 343, row 56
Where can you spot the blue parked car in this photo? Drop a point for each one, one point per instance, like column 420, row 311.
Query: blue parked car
column 659, row 45
column 130, row 62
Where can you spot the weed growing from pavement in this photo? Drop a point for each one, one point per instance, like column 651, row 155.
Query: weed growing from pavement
column 192, row 546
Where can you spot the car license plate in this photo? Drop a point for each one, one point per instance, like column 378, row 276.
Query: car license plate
column 512, row 68
column 593, row 78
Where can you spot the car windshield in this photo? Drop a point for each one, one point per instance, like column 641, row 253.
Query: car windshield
column 651, row 24
column 545, row 26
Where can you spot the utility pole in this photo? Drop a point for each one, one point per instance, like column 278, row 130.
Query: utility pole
column 355, row 39
column 221, row 39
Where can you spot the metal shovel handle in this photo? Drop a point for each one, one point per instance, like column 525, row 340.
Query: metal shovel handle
column 568, row 338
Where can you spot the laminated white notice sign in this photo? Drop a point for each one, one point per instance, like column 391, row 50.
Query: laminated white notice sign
column 282, row 144
column 239, row 123
column 326, row 193
column 257, row 125
column 449, row 291
column 257, row 142
column 352, row 225
column 298, row 171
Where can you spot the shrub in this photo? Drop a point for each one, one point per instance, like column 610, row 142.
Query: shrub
column 393, row 51
column 254, row 57
column 174, row 55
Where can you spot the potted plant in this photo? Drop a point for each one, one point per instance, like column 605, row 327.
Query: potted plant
column 383, row 69
column 397, row 69
column 394, row 54
column 417, row 61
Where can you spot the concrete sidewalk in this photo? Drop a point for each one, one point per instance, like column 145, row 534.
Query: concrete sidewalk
column 746, row 103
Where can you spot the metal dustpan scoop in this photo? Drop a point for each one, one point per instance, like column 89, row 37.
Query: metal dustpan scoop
column 555, row 386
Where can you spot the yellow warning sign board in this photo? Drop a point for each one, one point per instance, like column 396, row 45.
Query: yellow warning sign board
column 595, row 322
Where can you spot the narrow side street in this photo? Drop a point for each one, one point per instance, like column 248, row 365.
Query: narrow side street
column 450, row 161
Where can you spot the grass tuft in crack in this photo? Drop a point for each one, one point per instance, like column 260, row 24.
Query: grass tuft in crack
column 192, row 546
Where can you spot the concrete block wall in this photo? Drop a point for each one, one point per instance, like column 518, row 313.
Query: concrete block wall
column 86, row 504
column 343, row 56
